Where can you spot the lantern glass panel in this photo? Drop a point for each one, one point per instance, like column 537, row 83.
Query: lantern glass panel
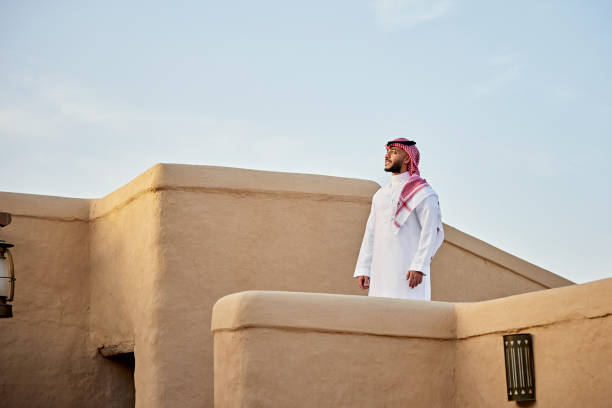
column 5, row 277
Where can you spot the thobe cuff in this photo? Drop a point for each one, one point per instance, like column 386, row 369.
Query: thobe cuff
column 361, row 273
column 418, row 268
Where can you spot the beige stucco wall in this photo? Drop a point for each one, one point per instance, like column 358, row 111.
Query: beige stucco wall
column 279, row 349
column 571, row 329
column 146, row 263
column 226, row 230
column 46, row 359
column 126, row 264
column 466, row 269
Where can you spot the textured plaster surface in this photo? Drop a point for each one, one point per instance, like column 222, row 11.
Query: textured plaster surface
column 573, row 366
column 335, row 313
column 145, row 265
column 503, row 259
column 473, row 278
column 46, row 358
column 216, row 244
column 229, row 383
column 279, row 349
column 285, row 368
column 571, row 329
column 586, row 301
column 302, row 350
column 228, row 230
column 125, row 264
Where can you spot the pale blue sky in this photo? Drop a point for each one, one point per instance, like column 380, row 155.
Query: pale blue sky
column 509, row 102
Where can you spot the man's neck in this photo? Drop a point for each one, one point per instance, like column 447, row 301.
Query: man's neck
column 399, row 177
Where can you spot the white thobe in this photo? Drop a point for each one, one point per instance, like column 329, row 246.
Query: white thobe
column 386, row 255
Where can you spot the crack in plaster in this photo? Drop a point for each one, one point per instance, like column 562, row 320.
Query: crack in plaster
column 329, row 331
column 273, row 193
column 240, row 193
column 535, row 326
column 363, row 333
column 124, row 203
column 50, row 218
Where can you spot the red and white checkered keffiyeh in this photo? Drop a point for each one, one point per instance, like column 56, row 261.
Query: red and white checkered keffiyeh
column 413, row 154
column 409, row 197
column 414, row 184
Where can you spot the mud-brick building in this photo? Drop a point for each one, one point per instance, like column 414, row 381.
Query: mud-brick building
column 114, row 304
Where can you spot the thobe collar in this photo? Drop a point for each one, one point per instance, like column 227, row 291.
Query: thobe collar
column 400, row 179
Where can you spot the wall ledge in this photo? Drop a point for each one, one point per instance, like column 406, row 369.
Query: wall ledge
column 334, row 313
column 242, row 182
column 45, row 207
column 349, row 314
column 535, row 309
column 110, row 350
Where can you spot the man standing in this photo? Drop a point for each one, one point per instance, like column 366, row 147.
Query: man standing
column 403, row 232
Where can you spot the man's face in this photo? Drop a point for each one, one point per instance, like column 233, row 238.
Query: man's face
column 394, row 158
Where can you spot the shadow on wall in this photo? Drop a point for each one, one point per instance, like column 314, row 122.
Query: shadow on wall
column 124, row 391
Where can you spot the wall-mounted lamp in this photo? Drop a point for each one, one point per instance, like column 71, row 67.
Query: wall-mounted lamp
column 7, row 272
column 520, row 374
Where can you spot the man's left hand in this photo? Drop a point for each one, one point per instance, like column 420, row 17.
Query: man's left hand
column 414, row 278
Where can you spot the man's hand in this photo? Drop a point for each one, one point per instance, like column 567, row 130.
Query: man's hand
column 364, row 282
column 414, row 278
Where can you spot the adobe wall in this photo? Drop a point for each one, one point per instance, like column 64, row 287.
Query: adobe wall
column 571, row 329
column 466, row 269
column 226, row 230
column 46, row 358
column 125, row 266
column 280, row 349
column 154, row 256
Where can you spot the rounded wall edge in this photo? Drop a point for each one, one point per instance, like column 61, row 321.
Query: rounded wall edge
column 335, row 313
column 213, row 179
column 45, row 206
column 536, row 309
column 148, row 181
column 231, row 178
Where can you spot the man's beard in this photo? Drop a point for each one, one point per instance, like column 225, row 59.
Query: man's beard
column 396, row 167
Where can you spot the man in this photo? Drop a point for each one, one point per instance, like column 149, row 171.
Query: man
column 403, row 232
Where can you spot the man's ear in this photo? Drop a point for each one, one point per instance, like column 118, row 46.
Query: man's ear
column 407, row 160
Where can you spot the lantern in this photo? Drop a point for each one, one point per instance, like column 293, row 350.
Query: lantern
column 520, row 374
column 7, row 272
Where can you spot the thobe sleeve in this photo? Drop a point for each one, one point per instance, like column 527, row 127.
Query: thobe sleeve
column 428, row 214
column 364, row 261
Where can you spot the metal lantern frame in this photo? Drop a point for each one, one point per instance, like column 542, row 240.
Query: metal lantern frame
column 6, row 310
column 5, row 253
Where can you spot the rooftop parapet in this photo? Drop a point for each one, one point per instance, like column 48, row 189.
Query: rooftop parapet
column 280, row 349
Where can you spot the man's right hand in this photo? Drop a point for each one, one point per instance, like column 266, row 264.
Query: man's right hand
column 364, row 282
